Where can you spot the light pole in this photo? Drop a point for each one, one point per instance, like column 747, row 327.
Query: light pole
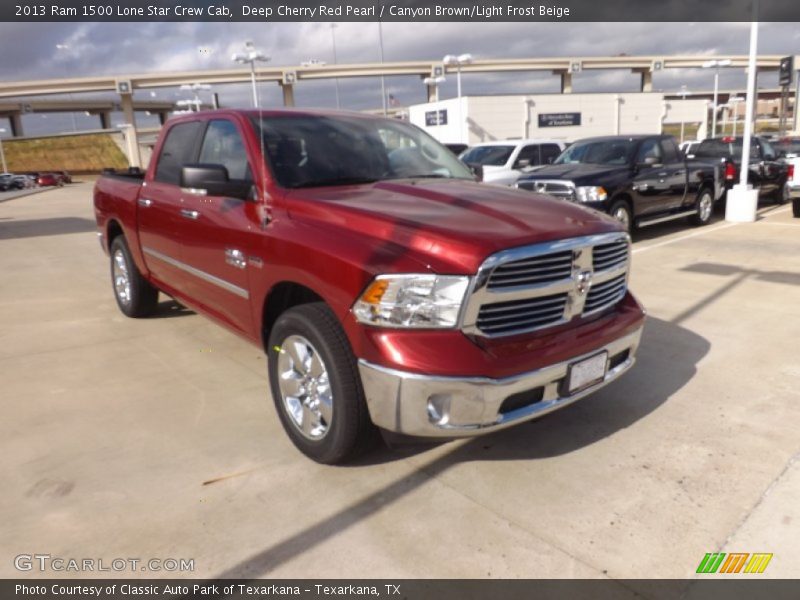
column 458, row 61
column 715, row 64
column 195, row 88
column 251, row 56
column 683, row 93
column 734, row 101
column 383, row 79
column 3, row 154
column 434, row 81
column 336, row 79
column 65, row 47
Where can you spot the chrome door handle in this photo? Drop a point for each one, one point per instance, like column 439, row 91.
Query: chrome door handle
column 145, row 202
column 189, row 214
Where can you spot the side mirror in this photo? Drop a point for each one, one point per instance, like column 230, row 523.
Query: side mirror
column 215, row 181
column 477, row 170
column 649, row 161
column 522, row 163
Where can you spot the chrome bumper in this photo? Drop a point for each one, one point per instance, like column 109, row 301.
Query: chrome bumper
column 794, row 190
column 427, row 406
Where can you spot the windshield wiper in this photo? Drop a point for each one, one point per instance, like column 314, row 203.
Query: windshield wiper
column 335, row 181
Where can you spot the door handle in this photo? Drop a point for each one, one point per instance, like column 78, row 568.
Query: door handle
column 189, row 214
column 145, row 202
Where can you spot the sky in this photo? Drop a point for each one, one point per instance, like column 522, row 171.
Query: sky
column 30, row 51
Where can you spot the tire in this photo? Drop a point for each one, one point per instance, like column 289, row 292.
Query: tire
column 316, row 386
column 704, row 208
column 796, row 207
column 781, row 195
column 621, row 211
column 135, row 296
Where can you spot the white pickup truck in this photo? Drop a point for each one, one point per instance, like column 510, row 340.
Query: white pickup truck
column 503, row 162
column 790, row 147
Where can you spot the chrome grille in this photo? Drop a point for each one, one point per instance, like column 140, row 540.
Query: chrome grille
column 505, row 317
column 532, row 271
column 609, row 256
column 558, row 188
column 525, row 289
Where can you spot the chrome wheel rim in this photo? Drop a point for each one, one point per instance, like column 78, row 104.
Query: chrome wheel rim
column 621, row 215
column 305, row 387
column 705, row 207
column 122, row 280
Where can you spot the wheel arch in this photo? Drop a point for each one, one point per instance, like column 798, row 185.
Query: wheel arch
column 280, row 298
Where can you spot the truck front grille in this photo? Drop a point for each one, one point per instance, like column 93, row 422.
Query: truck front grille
column 554, row 187
column 526, row 289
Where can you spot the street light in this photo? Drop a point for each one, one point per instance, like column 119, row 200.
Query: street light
column 733, row 102
column 195, row 88
column 434, row 81
column 715, row 64
column 251, row 56
column 336, row 79
column 3, row 154
column 458, row 61
column 683, row 93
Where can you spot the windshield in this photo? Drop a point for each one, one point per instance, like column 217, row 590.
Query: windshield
column 605, row 152
column 488, row 156
column 310, row 150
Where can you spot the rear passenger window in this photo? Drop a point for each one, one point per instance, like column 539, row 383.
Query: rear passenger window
column 670, row 151
column 549, row 153
column 223, row 145
column 178, row 149
column 529, row 153
column 649, row 149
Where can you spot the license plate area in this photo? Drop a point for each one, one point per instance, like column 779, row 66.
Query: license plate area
column 587, row 372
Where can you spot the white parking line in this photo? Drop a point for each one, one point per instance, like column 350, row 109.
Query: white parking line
column 781, row 224
column 686, row 237
column 705, row 230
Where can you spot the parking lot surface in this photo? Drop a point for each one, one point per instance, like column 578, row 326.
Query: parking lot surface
column 156, row 438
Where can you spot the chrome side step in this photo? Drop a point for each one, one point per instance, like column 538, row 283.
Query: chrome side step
column 681, row 215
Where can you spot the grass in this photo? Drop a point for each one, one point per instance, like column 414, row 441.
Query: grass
column 74, row 153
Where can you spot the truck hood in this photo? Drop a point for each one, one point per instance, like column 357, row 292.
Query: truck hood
column 579, row 173
column 450, row 226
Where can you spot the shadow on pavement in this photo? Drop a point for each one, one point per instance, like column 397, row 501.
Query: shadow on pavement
column 667, row 360
column 28, row 228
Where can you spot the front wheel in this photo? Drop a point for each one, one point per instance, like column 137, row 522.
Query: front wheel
column 316, row 386
column 703, row 208
column 622, row 213
column 134, row 294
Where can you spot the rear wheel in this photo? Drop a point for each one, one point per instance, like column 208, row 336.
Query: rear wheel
column 781, row 195
column 622, row 213
column 316, row 386
column 134, row 294
column 704, row 207
column 796, row 207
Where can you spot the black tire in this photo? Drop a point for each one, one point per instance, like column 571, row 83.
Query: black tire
column 349, row 431
column 796, row 207
column 704, row 208
column 621, row 211
column 781, row 195
column 139, row 298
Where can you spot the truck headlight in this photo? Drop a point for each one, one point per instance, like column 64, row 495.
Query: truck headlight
column 590, row 193
column 417, row 301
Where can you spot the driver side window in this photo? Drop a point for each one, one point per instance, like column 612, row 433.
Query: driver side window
column 649, row 152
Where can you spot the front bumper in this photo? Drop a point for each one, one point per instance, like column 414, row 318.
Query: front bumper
column 434, row 406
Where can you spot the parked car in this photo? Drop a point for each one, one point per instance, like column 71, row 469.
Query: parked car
column 6, row 182
column 64, row 175
column 387, row 287
column 504, row 162
column 639, row 180
column 24, row 181
column 767, row 172
column 49, row 179
column 789, row 148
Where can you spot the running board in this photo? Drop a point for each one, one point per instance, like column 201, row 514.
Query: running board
column 646, row 222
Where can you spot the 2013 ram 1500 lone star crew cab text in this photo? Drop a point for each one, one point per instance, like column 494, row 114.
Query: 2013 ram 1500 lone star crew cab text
column 387, row 287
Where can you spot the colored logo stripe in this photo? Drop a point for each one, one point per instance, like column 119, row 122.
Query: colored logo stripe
column 713, row 562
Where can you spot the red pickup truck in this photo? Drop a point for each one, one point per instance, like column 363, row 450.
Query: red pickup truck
column 387, row 287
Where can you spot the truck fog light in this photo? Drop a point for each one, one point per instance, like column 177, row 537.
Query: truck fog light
column 439, row 409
